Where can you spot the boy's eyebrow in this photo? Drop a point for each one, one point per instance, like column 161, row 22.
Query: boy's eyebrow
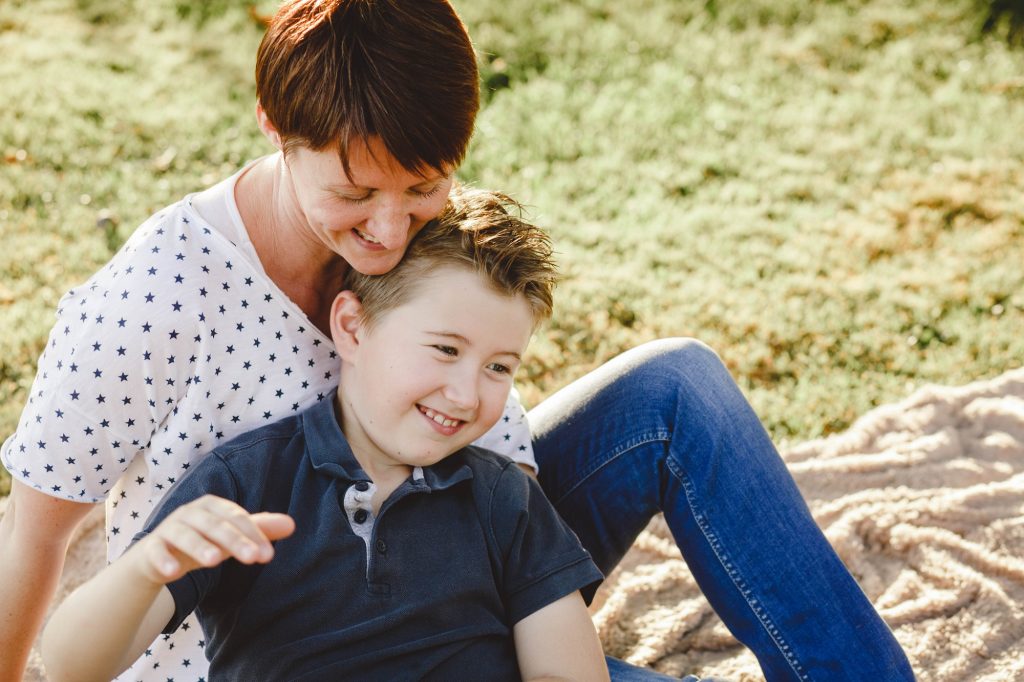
column 463, row 339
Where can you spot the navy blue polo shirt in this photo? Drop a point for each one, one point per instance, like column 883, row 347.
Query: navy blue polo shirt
column 429, row 588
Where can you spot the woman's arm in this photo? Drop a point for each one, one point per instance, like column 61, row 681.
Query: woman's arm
column 34, row 535
column 559, row 642
column 107, row 623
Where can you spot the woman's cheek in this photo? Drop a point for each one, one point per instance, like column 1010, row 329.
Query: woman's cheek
column 337, row 219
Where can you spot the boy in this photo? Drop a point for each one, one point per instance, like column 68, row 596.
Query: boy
column 401, row 552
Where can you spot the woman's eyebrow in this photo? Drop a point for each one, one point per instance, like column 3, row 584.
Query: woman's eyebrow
column 353, row 185
column 430, row 182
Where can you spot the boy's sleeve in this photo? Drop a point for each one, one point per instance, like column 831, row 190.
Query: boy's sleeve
column 541, row 559
column 115, row 364
column 211, row 476
column 511, row 435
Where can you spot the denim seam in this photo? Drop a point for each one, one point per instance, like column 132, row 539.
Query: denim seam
column 767, row 622
column 621, row 449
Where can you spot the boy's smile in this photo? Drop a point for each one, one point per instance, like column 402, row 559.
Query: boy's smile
column 441, row 422
column 432, row 375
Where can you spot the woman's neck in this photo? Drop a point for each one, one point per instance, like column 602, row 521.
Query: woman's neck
column 307, row 272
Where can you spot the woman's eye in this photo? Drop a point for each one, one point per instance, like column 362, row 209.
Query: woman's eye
column 429, row 193
column 356, row 200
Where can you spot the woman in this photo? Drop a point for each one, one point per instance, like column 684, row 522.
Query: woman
column 210, row 321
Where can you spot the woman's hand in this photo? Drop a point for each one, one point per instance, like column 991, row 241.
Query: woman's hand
column 206, row 532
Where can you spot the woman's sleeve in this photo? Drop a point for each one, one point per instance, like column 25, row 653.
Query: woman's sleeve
column 118, row 359
column 511, row 435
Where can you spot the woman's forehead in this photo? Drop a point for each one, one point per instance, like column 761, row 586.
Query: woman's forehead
column 370, row 165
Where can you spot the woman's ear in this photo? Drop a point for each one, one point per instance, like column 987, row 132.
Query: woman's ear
column 346, row 322
column 267, row 128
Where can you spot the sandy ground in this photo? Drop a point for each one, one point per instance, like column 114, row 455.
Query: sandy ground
column 923, row 500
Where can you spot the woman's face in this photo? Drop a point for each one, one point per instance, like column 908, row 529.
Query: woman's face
column 369, row 218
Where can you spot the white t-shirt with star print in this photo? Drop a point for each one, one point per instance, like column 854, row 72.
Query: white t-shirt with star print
column 179, row 343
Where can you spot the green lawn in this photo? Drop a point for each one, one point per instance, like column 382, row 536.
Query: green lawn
column 828, row 193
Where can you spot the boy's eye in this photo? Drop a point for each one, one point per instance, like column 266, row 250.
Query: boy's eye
column 447, row 350
column 499, row 368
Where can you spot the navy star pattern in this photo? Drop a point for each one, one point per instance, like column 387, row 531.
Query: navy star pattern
column 178, row 344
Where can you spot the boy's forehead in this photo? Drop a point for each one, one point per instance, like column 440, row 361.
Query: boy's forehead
column 459, row 302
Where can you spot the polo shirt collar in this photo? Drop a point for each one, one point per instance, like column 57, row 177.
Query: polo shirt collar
column 331, row 456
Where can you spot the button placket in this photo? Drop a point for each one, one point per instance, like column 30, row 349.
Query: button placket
column 357, row 502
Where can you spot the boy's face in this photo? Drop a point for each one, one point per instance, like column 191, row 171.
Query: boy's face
column 432, row 375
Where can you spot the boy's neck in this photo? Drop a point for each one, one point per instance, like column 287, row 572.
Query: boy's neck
column 386, row 476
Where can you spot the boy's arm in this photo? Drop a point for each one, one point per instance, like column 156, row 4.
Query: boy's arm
column 542, row 567
column 559, row 642
column 105, row 625
column 34, row 535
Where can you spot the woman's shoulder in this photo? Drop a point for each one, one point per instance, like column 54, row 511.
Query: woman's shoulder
column 172, row 259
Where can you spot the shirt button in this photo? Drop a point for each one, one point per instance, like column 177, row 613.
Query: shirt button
column 382, row 547
column 360, row 516
column 362, row 486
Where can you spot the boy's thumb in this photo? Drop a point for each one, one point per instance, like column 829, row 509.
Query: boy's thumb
column 274, row 526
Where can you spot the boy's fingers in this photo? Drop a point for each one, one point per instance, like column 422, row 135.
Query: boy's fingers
column 185, row 539
column 274, row 526
column 234, row 531
column 211, row 529
column 162, row 561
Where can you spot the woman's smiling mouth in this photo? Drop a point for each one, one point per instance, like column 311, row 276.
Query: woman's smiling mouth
column 370, row 239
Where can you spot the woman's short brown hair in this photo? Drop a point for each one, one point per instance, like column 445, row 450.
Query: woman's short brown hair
column 330, row 72
column 481, row 231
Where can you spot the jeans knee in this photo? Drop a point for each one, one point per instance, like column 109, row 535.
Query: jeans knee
column 679, row 359
column 688, row 379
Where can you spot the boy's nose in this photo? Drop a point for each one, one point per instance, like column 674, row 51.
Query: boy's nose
column 462, row 392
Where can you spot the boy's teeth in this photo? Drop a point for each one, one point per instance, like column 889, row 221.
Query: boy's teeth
column 439, row 418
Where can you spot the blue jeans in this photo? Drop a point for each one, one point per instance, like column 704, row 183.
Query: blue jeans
column 663, row 428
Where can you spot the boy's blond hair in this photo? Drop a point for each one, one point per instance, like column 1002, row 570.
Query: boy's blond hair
column 479, row 230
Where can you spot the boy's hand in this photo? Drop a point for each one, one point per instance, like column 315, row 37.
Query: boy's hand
column 204, row 533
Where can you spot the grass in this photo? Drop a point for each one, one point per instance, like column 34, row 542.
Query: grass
column 827, row 193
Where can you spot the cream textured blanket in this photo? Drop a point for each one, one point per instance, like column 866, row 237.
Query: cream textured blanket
column 923, row 500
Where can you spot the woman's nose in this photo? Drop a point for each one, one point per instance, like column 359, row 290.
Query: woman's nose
column 389, row 224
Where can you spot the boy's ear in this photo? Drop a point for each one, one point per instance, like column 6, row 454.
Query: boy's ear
column 267, row 128
column 346, row 321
